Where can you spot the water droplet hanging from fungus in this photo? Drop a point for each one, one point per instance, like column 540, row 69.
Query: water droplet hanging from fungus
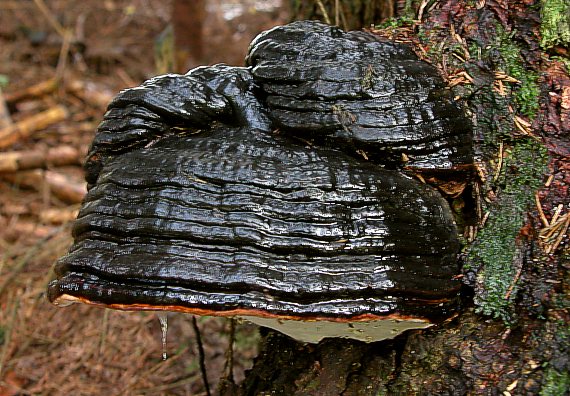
column 163, row 318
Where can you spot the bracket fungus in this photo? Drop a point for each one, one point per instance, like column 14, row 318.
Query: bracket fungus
column 235, row 191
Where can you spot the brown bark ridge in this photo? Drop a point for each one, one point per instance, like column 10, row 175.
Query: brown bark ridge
column 513, row 335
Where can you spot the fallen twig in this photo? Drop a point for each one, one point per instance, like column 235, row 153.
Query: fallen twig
column 59, row 185
column 540, row 211
column 63, row 55
column 45, row 215
column 27, row 127
column 13, row 161
column 58, row 216
column 549, row 181
column 499, row 162
column 95, row 95
column 557, row 213
column 103, row 335
column 324, row 12
column 40, row 89
column 552, row 235
column 50, row 18
column 25, row 228
column 523, row 126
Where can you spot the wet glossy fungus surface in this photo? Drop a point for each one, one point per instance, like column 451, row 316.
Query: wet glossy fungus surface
column 354, row 92
column 197, row 203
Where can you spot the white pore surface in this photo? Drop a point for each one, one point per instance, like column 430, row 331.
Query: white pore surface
column 315, row 331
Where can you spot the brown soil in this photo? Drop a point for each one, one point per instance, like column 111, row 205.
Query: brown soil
column 82, row 350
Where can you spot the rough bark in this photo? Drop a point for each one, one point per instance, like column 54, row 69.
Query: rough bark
column 513, row 335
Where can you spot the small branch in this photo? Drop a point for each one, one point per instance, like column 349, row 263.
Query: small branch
column 58, row 216
column 540, row 211
column 50, row 18
column 421, row 9
column 59, row 185
column 13, row 161
column 104, row 330
column 557, row 213
column 549, row 180
column 63, row 55
column 518, row 262
column 561, row 235
column 499, row 162
column 27, row 127
column 25, row 228
column 324, row 12
column 201, row 355
column 34, row 91
column 513, row 283
column 52, row 216
column 343, row 17
column 336, row 12
column 552, row 236
column 95, row 95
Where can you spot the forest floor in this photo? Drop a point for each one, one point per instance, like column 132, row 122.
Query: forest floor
column 61, row 62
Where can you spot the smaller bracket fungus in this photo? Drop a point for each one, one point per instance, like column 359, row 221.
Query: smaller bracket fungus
column 197, row 205
column 357, row 93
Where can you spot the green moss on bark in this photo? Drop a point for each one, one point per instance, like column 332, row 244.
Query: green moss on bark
column 556, row 379
column 555, row 26
column 555, row 383
column 497, row 248
column 527, row 92
column 497, row 253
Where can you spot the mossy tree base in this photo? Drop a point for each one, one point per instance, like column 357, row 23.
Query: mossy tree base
column 514, row 335
column 466, row 356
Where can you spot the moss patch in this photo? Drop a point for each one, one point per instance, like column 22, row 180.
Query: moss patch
column 396, row 22
column 555, row 26
column 555, row 383
column 495, row 250
column 526, row 94
column 556, row 379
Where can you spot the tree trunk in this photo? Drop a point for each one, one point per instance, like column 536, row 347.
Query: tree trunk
column 349, row 15
column 187, row 20
column 512, row 337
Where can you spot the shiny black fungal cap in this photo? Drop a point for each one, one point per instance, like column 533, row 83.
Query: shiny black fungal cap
column 356, row 93
column 197, row 204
